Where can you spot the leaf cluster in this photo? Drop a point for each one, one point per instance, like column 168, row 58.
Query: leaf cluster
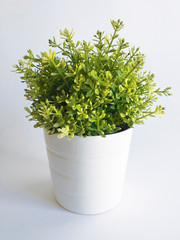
column 87, row 89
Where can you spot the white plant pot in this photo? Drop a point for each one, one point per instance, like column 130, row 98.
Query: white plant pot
column 88, row 173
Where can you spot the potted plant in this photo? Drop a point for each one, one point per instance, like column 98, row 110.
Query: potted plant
column 87, row 98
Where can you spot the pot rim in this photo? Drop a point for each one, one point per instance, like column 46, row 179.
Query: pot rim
column 96, row 136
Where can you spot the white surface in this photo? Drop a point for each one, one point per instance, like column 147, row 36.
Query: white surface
column 88, row 173
column 150, row 205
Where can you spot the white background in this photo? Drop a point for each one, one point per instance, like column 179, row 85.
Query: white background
column 150, row 205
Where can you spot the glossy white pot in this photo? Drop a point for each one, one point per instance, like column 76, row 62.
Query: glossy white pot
column 88, row 173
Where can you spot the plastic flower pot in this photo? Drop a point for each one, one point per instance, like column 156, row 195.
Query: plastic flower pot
column 88, row 173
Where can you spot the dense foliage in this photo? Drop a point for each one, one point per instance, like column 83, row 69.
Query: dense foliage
column 89, row 89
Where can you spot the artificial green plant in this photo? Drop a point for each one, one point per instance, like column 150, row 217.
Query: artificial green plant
column 89, row 89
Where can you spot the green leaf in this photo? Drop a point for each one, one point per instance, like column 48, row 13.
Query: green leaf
column 57, row 125
column 96, row 91
column 28, row 110
column 54, row 74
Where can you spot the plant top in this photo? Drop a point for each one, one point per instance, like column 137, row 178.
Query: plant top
column 89, row 89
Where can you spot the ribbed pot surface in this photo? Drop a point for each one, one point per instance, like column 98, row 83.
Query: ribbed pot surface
column 88, row 173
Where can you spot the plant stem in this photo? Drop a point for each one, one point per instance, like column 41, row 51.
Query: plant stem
column 59, row 72
column 131, row 57
column 131, row 71
column 112, row 39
